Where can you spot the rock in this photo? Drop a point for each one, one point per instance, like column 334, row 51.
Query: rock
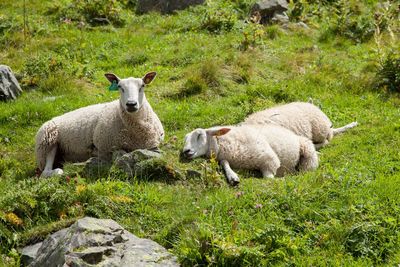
column 9, row 86
column 193, row 174
column 165, row 6
column 128, row 161
column 302, row 25
column 270, row 11
column 100, row 242
column 140, row 163
column 280, row 18
column 157, row 169
column 28, row 254
column 93, row 167
column 145, row 164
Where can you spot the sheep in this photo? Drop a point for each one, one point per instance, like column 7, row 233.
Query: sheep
column 303, row 119
column 272, row 149
column 128, row 123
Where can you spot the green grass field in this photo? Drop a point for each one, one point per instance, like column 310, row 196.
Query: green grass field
column 213, row 68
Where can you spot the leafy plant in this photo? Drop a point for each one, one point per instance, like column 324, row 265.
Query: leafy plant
column 388, row 75
column 253, row 34
column 219, row 17
column 203, row 76
column 94, row 12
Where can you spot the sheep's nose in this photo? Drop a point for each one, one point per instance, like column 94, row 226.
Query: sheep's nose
column 188, row 153
column 131, row 104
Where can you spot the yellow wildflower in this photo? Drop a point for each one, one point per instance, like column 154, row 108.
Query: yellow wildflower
column 80, row 188
column 13, row 219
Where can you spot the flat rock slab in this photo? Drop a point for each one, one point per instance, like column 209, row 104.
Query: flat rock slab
column 96, row 242
column 9, row 86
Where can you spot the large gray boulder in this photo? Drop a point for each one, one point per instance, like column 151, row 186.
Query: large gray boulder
column 270, row 11
column 9, row 86
column 165, row 6
column 96, row 242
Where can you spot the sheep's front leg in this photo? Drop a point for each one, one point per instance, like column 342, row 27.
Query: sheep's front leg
column 230, row 175
column 48, row 169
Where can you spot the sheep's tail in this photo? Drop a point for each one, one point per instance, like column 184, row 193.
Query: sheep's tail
column 46, row 139
column 344, row 128
column 308, row 155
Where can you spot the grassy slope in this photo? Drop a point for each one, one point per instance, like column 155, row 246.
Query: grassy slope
column 345, row 213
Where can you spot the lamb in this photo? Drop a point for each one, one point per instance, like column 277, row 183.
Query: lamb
column 97, row 130
column 304, row 119
column 272, row 149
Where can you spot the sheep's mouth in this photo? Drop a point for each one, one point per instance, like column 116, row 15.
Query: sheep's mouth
column 131, row 109
column 189, row 154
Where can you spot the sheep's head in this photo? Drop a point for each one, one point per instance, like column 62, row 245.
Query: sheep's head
column 131, row 90
column 197, row 142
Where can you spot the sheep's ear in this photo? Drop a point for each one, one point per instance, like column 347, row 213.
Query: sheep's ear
column 112, row 77
column 149, row 77
column 218, row 132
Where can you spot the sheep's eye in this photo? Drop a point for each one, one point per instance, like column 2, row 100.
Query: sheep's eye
column 141, row 88
column 198, row 137
column 122, row 89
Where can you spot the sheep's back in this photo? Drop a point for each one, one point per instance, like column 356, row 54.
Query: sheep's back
column 303, row 119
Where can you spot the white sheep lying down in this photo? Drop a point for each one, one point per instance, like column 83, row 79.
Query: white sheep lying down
column 304, row 119
column 125, row 124
column 271, row 149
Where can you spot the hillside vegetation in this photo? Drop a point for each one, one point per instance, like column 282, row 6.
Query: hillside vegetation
column 214, row 67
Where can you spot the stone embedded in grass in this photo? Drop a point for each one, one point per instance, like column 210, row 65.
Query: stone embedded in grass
column 96, row 241
column 193, row 174
column 146, row 164
column 9, row 86
column 93, row 167
column 142, row 163
column 267, row 11
column 29, row 253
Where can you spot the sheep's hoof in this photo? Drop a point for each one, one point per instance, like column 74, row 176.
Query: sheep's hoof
column 233, row 180
column 58, row 171
column 268, row 175
column 50, row 173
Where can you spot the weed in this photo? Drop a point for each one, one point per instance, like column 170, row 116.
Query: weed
column 273, row 32
column 388, row 75
column 193, row 86
column 135, row 59
column 96, row 12
column 241, row 69
column 41, row 67
column 201, row 78
column 220, row 16
column 253, row 34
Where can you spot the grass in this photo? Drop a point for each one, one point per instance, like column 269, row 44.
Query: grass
column 344, row 213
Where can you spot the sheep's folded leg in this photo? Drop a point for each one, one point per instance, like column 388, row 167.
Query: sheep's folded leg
column 48, row 169
column 230, row 175
column 267, row 174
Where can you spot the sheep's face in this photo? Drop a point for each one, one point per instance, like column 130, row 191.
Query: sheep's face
column 197, row 142
column 131, row 90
